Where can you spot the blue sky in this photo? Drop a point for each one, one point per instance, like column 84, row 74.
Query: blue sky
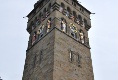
column 103, row 37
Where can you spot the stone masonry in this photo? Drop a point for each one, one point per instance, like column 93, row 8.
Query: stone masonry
column 57, row 54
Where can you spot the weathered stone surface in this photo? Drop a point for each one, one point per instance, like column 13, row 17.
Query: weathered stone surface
column 49, row 58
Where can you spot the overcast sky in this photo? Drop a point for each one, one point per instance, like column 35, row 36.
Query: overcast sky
column 103, row 37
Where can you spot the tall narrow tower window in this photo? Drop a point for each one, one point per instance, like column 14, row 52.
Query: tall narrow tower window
column 34, row 62
column 32, row 25
column 44, row 13
column 62, row 7
column 37, row 21
column 71, row 55
column 50, row 8
column 68, row 12
column 80, row 18
column 78, row 60
column 85, row 22
column 75, row 16
column 41, row 56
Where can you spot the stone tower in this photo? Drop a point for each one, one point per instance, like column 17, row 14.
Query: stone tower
column 58, row 47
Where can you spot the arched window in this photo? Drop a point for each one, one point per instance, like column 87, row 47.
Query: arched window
column 79, row 19
column 44, row 13
column 48, row 24
column 40, row 14
column 74, row 14
column 50, row 8
column 62, row 7
column 85, row 22
column 41, row 17
column 73, row 30
column 63, row 24
column 32, row 25
column 36, row 21
column 68, row 12
column 82, row 37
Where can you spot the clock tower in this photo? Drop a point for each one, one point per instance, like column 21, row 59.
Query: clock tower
column 58, row 46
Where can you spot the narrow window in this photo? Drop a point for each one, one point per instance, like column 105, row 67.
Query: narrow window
column 36, row 21
column 75, row 4
column 85, row 22
column 62, row 7
column 75, row 16
column 44, row 13
column 41, row 56
column 78, row 60
column 71, row 56
column 34, row 62
column 68, row 12
column 50, row 8
column 80, row 19
column 32, row 25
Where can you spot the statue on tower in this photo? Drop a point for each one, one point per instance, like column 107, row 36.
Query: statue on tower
column 63, row 24
column 40, row 32
column 81, row 34
column 48, row 25
column 34, row 38
column 73, row 30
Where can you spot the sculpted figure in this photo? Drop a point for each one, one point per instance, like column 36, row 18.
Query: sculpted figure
column 38, row 33
column 73, row 30
column 48, row 25
column 63, row 25
column 34, row 38
column 61, row 9
column 78, row 21
column 72, row 17
column 81, row 36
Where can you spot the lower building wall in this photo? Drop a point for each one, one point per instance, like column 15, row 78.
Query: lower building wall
column 55, row 63
column 64, row 69
column 40, row 60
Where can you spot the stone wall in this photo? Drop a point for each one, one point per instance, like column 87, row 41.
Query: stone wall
column 40, row 59
column 63, row 68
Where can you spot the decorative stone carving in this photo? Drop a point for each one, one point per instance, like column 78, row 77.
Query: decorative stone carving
column 40, row 32
column 61, row 9
column 73, row 30
column 63, row 25
column 34, row 38
column 77, row 21
column 72, row 17
column 48, row 25
column 81, row 36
